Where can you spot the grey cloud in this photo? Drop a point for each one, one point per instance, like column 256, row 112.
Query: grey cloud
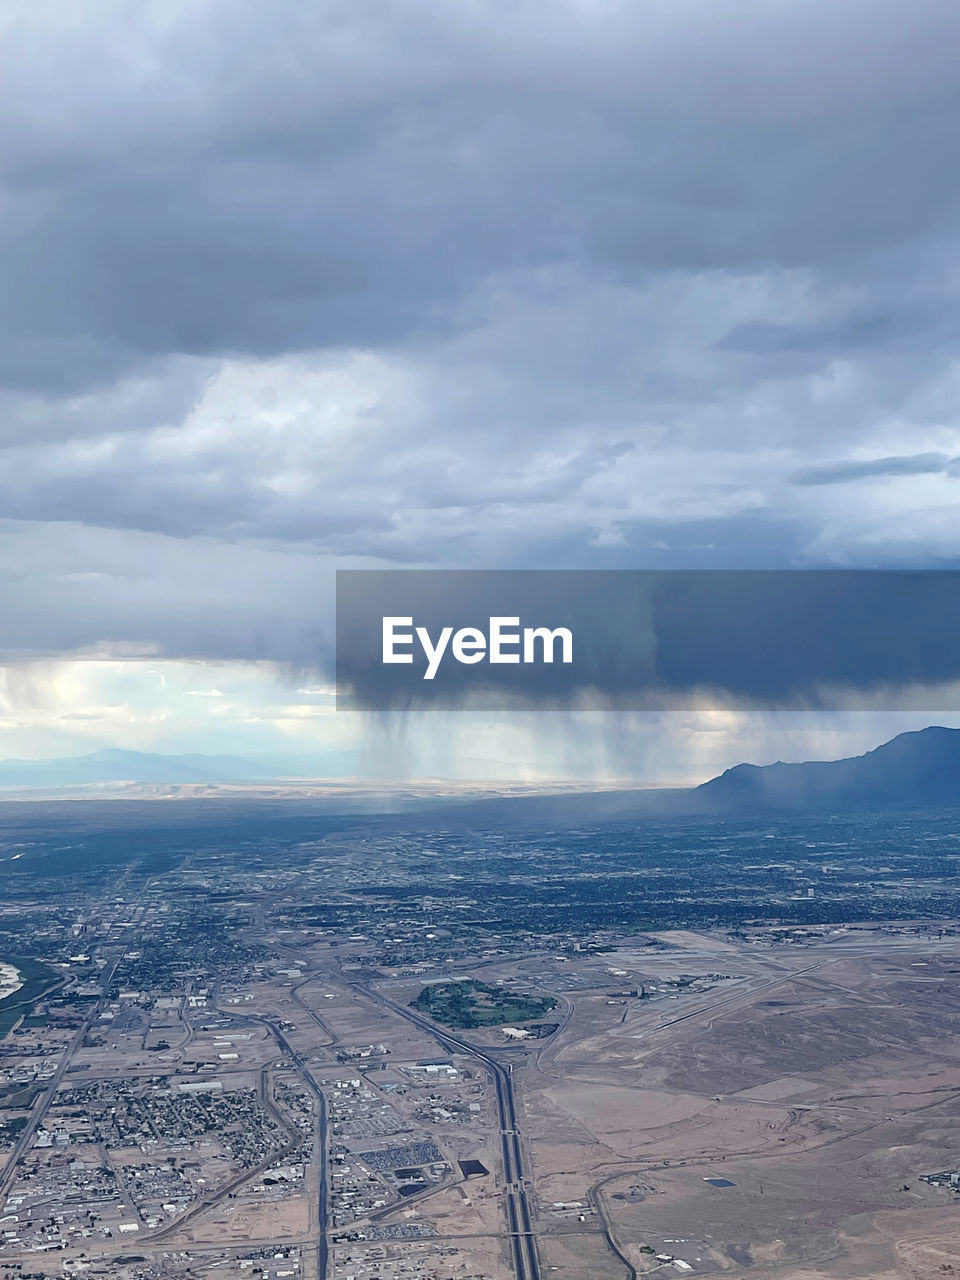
column 158, row 394
column 918, row 464
column 126, row 492
column 904, row 322
column 219, row 180
column 637, row 285
column 68, row 589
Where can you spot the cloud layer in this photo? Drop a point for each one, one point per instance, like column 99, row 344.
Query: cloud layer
column 295, row 286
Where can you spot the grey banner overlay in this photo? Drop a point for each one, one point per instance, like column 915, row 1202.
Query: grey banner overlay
column 649, row 639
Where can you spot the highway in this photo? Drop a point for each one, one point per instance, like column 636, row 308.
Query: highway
column 526, row 1261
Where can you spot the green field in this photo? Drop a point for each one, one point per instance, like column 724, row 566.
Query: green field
column 37, row 979
column 475, row 1004
column 19, row 1097
column 10, row 1130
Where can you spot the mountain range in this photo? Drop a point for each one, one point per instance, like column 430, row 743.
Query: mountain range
column 113, row 767
column 919, row 770
column 914, row 770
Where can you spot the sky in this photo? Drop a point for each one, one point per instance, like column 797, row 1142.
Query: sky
column 295, row 287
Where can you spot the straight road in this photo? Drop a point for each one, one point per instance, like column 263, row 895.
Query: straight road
column 40, row 1111
column 526, row 1260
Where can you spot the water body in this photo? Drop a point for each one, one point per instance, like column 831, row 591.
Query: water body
column 11, row 979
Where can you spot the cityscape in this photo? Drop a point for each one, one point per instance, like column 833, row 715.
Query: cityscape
column 291, row 1042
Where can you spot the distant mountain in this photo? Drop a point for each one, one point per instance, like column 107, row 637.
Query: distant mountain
column 112, row 766
column 915, row 770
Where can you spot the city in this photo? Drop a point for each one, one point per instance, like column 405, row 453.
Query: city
column 428, row 1054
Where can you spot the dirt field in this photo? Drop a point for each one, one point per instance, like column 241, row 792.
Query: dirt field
column 774, row 1125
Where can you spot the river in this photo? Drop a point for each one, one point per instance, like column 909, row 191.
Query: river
column 11, row 979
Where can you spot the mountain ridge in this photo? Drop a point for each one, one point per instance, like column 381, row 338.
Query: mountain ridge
column 920, row 767
column 113, row 765
column 916, row 769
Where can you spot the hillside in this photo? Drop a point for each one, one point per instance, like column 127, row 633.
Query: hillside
column 913, row 770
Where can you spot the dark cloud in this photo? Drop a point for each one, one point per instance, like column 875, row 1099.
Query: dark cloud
column 905, row 325
column 226, row 180
column 434, row 284
column 919, row 464
column 72, row 590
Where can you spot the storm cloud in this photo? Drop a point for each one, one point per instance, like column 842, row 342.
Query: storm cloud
column 599, row 285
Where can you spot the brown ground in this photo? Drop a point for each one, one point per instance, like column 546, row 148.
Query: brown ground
column 822, row 1084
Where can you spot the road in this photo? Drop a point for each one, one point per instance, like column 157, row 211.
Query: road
column 523, row 1242
column 40, row 1111
column 323, row 1247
